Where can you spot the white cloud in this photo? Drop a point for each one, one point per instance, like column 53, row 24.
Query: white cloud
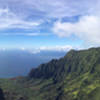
column 87, row 28
column 51, row 8
column 17, row 11
column 63, row 8
column 2, row 49
column 10, row 20
column 37, row 34
column 64, row 48
column 26, row 34
column 57, row 48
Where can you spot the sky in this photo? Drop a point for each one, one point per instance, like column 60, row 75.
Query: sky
column 49, row 24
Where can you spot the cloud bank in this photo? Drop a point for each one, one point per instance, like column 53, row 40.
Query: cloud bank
column 87, row 28
column 64, row 48
column 30, row 14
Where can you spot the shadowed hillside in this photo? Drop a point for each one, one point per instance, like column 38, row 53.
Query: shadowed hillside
column 1, row 95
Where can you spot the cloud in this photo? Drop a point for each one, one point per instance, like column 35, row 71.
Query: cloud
column 36, row 34
column 87, row 28
column 57, row 48
column 26, row 34
column 2, row 49
column 64, row 48
column 63, row 8
column 51, row 8
column 31, row 13
column 10, row 20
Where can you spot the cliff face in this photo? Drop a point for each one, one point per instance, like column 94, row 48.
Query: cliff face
column 74, row 63
column 76, row 75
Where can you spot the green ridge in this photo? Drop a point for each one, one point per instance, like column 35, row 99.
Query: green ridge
column 76, row 76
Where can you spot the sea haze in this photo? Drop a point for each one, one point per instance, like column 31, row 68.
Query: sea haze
column 19, row 62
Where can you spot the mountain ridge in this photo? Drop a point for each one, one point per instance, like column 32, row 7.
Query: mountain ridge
column 76, row 76
column 71, row 56
column 74, row 64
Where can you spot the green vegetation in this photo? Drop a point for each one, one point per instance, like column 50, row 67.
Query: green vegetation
column 76, row 76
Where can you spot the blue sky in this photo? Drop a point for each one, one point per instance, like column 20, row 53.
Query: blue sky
column 49, row 24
